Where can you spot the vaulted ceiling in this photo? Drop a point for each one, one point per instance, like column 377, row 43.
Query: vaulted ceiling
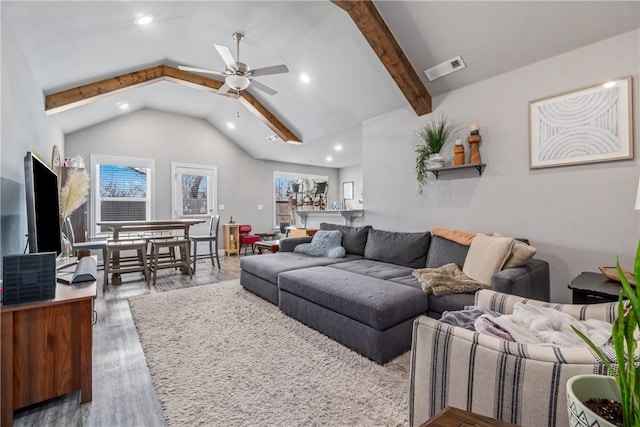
column 71, row 44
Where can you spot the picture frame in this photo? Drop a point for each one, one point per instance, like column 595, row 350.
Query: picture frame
column 587, row 125
column 347, row 190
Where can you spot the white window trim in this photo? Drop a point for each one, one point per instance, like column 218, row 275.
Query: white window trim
column 97, row 159
column 174, row 194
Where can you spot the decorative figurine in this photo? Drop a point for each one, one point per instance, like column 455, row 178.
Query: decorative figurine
column 474, row 144
column 458, row 153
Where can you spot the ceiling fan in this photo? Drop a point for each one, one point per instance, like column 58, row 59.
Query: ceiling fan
column 238, row 76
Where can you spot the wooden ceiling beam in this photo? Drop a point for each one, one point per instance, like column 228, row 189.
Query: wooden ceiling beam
column 372, row 26
column 81, row 95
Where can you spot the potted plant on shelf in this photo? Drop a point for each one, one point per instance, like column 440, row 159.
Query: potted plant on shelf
column 593, row 394
column 433, row 136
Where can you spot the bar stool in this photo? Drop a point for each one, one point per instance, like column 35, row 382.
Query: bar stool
column 157, row 262
column 122, row 265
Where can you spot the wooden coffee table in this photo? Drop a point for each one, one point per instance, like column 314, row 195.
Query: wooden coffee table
column 454, row 417
column 272, row 245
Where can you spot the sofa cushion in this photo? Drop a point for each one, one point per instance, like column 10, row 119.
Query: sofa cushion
column 408, row 249
column 487, row 255
column 444, row 251
column 371, row 268
column 353, row 238
column 268, row 266
column 378, row 303
column 324, row 243
column 450, row 302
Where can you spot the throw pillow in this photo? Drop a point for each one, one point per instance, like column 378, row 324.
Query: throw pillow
column 353, row 238
column 487, row 255
column 324, row 243
column 458, row 236
column 520, row 254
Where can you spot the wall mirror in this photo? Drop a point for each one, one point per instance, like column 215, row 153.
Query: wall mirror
column 347, row 190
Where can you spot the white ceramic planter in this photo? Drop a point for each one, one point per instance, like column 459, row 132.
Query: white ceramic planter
column 584, row 387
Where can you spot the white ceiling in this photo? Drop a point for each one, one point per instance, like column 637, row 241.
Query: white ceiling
column 73, row 43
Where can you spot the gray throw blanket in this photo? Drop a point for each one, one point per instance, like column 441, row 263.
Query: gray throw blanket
column 445, row 280
column 466, row 318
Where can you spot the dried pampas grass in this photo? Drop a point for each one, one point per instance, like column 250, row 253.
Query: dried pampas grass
column 74, row 193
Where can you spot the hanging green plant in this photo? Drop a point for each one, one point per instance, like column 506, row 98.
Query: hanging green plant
column 433, row 136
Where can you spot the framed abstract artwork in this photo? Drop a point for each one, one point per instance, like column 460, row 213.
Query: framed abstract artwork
column 588, row 125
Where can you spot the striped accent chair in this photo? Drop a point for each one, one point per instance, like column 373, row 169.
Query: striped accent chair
column 518, row 383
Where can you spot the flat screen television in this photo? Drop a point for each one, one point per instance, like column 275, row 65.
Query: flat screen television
column 43, row 206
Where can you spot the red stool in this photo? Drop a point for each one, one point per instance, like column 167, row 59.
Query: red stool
column 247, row 239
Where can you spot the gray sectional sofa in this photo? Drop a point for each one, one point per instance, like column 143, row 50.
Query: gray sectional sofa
column 369, row 299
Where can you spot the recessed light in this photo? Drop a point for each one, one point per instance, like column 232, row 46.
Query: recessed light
column 609, row 84
column 122, row 105
column 305, row 78
column 329, row 159
column 337, row 147
column 144, row 20
column 230, row 125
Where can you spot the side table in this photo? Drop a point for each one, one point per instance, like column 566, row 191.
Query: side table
column 593, row 288
column 454, row 417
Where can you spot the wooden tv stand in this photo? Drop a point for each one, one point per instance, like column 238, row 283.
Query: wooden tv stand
column 47, row 349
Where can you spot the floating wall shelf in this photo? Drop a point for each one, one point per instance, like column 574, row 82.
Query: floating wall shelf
column 478, row 167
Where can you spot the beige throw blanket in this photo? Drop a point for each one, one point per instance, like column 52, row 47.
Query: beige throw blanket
column 445, row 280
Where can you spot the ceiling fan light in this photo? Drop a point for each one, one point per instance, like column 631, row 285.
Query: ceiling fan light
column 237, row 82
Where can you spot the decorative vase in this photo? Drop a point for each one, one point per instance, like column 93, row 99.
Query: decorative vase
column 436, row 161
column 588, row 386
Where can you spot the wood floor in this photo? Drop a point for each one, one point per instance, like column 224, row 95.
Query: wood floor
column 123, row 394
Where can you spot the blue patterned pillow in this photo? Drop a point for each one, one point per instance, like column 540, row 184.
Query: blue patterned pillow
column 324, row 243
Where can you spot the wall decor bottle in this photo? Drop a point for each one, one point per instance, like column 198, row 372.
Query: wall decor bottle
column 458, row 153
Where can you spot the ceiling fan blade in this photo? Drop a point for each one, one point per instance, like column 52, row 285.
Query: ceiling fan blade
column 226, row 56
column 201, row 70
column 263, row 87
column 223, row 89
column 274, row 69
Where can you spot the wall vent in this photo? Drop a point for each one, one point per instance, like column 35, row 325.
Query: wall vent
column 273, row 138
column 447, row 67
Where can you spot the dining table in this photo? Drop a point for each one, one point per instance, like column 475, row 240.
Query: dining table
column 141, row 229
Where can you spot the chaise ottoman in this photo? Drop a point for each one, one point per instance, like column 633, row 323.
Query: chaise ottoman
column 371, row 316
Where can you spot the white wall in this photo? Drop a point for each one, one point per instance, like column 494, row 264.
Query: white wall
column 353, row 173
column 243, row 182
column 24, row 125
column 578, row 217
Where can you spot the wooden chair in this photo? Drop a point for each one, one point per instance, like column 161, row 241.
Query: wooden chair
column 247, row 239
column 116, row 264
column 212, row 238
column 157, row 262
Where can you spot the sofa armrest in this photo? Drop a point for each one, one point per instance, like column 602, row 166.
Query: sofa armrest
column 451, row 366
column 287, row 245
column 532, row 280
column 505, row 303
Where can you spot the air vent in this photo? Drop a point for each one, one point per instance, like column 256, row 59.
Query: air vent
column 447, row 67
column 273, row 138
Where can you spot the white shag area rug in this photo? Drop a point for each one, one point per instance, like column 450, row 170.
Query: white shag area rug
column 221, row 356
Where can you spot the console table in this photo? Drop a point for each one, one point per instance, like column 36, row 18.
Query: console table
column 47, row 349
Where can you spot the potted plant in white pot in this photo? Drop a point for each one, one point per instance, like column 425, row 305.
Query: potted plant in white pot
column 623, row 386
column 433, row 136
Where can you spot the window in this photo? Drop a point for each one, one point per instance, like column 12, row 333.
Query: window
column 282, row 185
column 194, row 190
column 122, row 189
